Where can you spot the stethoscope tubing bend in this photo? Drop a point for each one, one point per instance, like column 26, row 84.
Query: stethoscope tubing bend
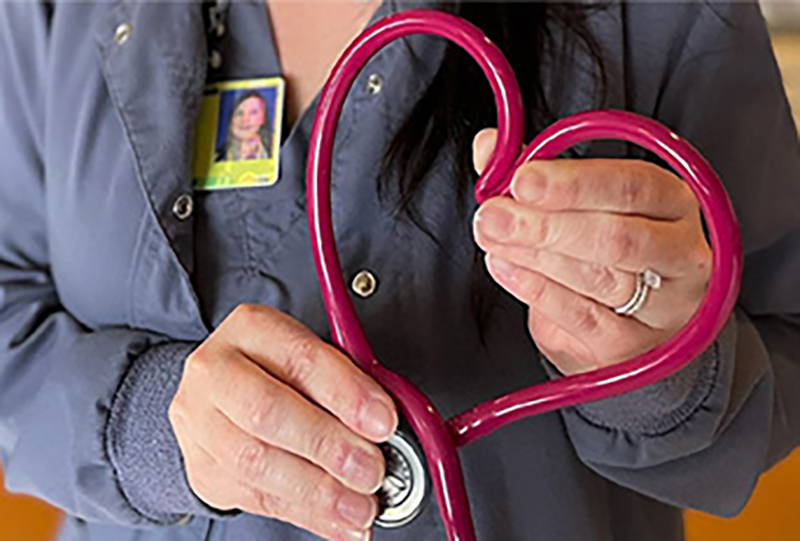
column 440, row 440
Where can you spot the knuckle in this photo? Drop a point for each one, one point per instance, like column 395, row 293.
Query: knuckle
column 533, row 286
column 260, row 415
column 701, row 259
column 540, row 229
column 303, row 358
column 633, row 186
column 243, row 311
column 329, row 448
column 200, row 362
column 176, row 413
column 587, row 319
column 604, row 283
column 323, row 495
column 345, row 397
column 568, row 193
column 249, row 315
column 252, row 461
column 632, row 192
column 201, row 486
column 271, row 506
column 619, row 241
column 685, row 196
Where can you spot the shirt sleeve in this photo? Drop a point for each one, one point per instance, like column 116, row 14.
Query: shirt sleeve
column 722, row 91
column 74, row 402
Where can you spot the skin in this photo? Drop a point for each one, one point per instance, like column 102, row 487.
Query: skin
column 275, row 422
column 309, row 37
column 270, row 419
column 247, row 119
column 569, row 241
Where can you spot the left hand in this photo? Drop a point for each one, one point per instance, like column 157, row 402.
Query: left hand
column 569, row 241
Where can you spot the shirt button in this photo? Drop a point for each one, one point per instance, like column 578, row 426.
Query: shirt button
column 374, row 83
column 364, row 284
column 122, row 33
column 183, row 207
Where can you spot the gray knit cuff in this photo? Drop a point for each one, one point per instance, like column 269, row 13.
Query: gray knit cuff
column 140, row 442
column 662, row 406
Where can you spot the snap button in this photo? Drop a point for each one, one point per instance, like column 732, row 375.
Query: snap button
column 183, row 207
column 374, row 83
column 364, row 284
column 215, row 59
column 122, row 33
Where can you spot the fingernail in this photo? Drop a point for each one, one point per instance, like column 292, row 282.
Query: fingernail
column 377, row 419
column 530, row 187
column 353, row 535
column 494, row 222
column 363, row 470
column 356, row 510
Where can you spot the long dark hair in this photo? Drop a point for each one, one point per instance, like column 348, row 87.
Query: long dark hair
column 541, row 41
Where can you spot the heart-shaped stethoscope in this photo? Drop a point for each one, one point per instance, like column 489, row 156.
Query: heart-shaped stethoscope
column 405, row 486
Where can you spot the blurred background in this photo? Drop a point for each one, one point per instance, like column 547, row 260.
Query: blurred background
column 772, row 514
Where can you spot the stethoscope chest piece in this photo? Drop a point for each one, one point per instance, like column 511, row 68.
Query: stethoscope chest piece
column 405, row 488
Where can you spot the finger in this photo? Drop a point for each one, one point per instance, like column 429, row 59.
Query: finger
column 619, row 186
column 278, row 415
column 606, row 334
column 319, row 498
column 211, row 477
column 607, row 285
column 483, row 147
column 293, row 354
column 667, row 308
column 568, row 353
column 629, row 243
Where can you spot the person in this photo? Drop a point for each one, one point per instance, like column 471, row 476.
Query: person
column 165, row 367
column 249, row 135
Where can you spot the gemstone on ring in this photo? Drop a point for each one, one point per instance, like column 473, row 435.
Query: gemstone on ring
column 651, row 278
column 645, row 281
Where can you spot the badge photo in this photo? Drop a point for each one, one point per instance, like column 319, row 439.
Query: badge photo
column 237, row 136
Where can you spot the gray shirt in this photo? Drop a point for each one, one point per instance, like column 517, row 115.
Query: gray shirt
column 105, row 289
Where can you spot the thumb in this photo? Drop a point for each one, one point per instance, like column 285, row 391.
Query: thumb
column 483, row 147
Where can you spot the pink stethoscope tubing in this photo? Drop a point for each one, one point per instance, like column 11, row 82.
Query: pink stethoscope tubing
column 440, row 439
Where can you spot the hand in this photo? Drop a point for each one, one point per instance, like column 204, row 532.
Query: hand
column 569, row 242
column 273, row 421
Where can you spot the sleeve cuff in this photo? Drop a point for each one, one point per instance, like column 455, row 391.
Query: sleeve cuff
column 140, row 442
column 658, row 408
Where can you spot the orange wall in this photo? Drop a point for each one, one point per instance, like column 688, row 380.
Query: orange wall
column 773, row 514
column 25, row 519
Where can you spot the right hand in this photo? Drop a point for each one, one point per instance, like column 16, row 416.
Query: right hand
column 273, row 421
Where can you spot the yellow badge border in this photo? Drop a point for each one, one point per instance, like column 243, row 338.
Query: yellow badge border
column 209, row 175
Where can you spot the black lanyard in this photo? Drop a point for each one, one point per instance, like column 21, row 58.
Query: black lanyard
column 214, row 13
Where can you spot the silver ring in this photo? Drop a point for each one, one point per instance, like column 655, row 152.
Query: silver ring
column 645, row 281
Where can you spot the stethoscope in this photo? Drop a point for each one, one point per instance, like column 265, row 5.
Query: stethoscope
column 403, row 493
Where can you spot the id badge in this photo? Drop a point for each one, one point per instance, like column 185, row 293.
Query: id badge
column 237, row 135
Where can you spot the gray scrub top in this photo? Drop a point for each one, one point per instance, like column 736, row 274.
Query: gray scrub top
column 111, row 271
